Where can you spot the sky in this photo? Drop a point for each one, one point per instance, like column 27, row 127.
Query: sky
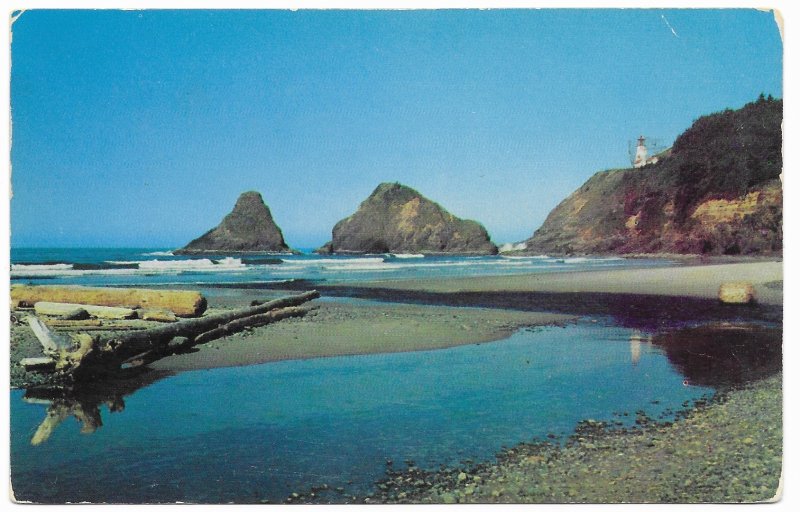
column 141, row 128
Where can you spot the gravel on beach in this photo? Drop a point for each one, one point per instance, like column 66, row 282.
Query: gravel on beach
column 728, row 450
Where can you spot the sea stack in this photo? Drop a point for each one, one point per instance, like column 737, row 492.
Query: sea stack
column 248, row 228
column 398, row 219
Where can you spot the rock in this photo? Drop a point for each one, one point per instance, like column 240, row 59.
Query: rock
column 736, row 293
column 248, row 228
column 398, row 219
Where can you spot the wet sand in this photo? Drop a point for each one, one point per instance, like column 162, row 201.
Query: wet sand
column 336, row 329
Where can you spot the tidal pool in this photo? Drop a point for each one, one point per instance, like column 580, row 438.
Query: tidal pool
column 257, row 433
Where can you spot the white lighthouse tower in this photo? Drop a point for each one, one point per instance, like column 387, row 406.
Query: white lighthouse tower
column 640, row 160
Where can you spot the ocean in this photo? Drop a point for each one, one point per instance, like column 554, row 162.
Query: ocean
column 139, row 267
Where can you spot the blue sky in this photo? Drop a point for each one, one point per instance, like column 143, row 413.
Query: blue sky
column 141, row 128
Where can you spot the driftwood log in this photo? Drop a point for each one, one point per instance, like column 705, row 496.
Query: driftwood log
column 156, row 315
column 65, row 309
column 85, row 356
column 184, row 303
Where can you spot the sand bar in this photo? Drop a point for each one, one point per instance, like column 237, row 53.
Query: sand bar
column 701, row 281
column 346, row 329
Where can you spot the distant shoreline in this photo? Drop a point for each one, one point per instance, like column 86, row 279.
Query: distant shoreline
column 699, row 281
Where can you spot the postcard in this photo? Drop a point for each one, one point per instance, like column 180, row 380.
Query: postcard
column 441, row 256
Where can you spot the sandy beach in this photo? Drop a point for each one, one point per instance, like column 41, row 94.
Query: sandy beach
column 701, row 281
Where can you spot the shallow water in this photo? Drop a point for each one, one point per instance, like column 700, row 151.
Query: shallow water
column 260, row 432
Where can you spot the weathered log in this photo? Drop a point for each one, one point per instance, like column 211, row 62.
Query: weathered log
column 184, row 303
column 104, row 327
column 141, row 341
column 75, row 314
column 60, row 322
column 156, row 315
column 180, row 344
column 38, row 364
column 61, row 309
column 51, row 342
column 105, row 353
column 249, row 321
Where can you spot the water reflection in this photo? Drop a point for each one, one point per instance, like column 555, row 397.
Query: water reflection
column 714, row 355
column 721, row 355
column 261, row 432
column 636, row 340
column 84, row 402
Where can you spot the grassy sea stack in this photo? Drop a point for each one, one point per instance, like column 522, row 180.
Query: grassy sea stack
column 398, row 219
column 248, row 228
column 717, row 191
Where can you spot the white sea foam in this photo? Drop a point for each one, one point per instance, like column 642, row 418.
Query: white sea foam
column 539, row 257
column 148, row 267
column 40, row 268
column 512, row 247
column 329, row 267
column 159, row 253
column 355, row 264
column 225, row 264
column 69, row 272
column 331, row 262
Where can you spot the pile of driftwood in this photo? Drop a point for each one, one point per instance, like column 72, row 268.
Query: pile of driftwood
column 84, row 356
column 81, row 302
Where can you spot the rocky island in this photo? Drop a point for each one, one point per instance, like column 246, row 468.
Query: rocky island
column 717, row 191
column 248, row 228
column 398, row 219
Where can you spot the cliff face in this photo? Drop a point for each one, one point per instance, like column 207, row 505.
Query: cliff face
column 396, row 218
column 717, row 192
column 248, row 228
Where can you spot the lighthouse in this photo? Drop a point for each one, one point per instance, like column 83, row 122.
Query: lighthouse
column 641, row 153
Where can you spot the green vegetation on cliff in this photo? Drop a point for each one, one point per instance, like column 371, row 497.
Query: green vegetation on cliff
column 718, row 191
